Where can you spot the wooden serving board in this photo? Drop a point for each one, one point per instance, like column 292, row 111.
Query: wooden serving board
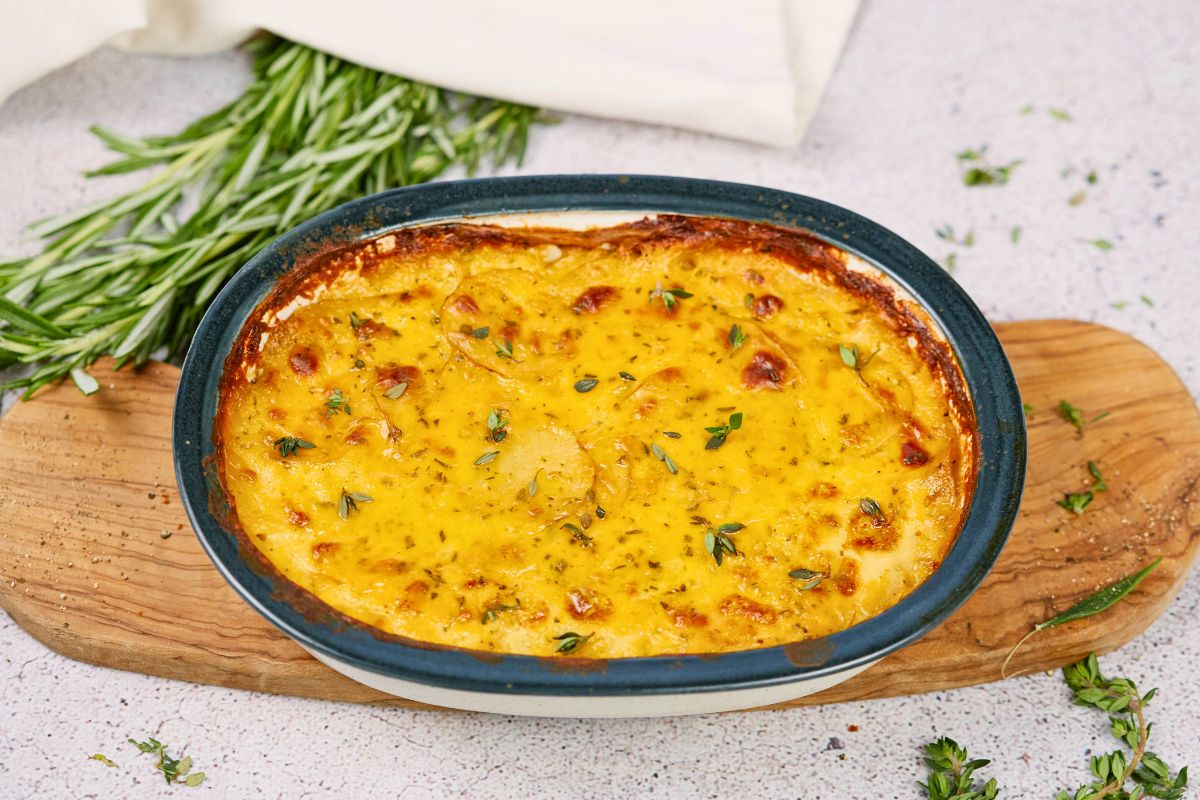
column 97, row 560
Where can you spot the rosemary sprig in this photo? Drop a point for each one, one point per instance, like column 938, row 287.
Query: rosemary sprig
column 128, row 277
column 1102, row 600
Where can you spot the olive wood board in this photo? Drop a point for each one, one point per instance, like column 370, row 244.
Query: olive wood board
column 98, row 562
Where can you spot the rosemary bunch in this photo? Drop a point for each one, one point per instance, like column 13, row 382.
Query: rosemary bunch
column 130, row 276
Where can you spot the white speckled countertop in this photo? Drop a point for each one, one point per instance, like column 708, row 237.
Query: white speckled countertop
column 919, row 82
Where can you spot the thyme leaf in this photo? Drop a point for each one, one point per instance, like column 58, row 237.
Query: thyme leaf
column 290, row 444
column 570, row 641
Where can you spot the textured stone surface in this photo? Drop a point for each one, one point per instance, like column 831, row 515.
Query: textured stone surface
column 919, row 83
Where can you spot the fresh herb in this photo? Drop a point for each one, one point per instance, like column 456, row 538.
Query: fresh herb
column 355, row 322
column 718, row 543
column 1093, row 604
column 735, row 338
column 951, row 262
column 748, row 301
column 951, row 773
column 1099, row 485
column 1015, row 234
column 946, row 233
column 1112, row 772
column 662, row 456
column 487, row 458
column 290, row 444
column 1028, row 409
column 979, row 172
column 532, row 488
column 1076, row 502
column 505, row 350
column 1027, row 108
column 600, row 513
column 577, row 534
column 625, row 376
column 870, row 507
column 1100, row 244
column 131, row 276
column 854, row 360
column 481, row 333
column 335, row 403
column 1147, row 301
column 950, row 768
column 1120, row 305
column 1074, row 415
column 495, row 610
column 808, row 578
column 570, row 641
column 397, row 391
column 349, row 502
column 497, row 426
column 105, row 760
column 669, row 297
column 1059, row 114
column 586, row 385
column 1091, row 177
column 672, row 434
column 359, row 363
column 174, row 770
column 721, row 432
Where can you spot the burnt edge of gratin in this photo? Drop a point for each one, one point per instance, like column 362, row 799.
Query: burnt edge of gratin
column 800, row 249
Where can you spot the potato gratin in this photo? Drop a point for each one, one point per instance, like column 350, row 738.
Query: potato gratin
column 681, row 435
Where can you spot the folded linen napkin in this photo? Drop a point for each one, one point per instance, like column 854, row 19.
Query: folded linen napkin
column 753, row 69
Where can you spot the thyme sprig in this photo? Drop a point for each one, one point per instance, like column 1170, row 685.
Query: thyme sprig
column 951, row 768
column 719, row 433
column 131, row 276
column 288, row 445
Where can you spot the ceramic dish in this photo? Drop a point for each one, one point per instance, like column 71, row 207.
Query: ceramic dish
column 640, row 686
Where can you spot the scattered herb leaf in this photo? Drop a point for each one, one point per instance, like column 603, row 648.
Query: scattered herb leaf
column 570, row 641
column 662, row 456
column 1059, row 114
column 718, row 543
column 1028, row 408
column 174, row 770
column 735, row 338
column 809, row 579
column 335, row 403
column 625, row 376
column 1099, row 485
column 1015, row 234
column 355, row 322
column 102, row 759
column 532, row 488
column 870, row 507
column 505, row 350
column 1076, row 502
column 672, row 434
column 349, row 501
column 396, row 391
column 946, row 232
column 487, row 458
column 586, row 385
column 495, row 610
column 1147, row 301
column 1100, row 244
column 721, row 432
column 982, row 173
column 497, row 426
column 481, row 333
column 669, row 297
column 290, row 444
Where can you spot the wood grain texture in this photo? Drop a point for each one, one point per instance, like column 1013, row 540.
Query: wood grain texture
column 97, row 560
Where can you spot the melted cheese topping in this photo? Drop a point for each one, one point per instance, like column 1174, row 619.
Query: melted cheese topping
column 593, row 506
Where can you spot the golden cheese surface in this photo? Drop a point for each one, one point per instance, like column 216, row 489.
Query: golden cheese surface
column 676, row 436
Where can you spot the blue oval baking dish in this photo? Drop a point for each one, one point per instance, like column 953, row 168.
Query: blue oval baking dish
column 650, row 686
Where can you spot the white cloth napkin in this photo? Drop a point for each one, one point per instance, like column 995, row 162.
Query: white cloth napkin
column 748, row 69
